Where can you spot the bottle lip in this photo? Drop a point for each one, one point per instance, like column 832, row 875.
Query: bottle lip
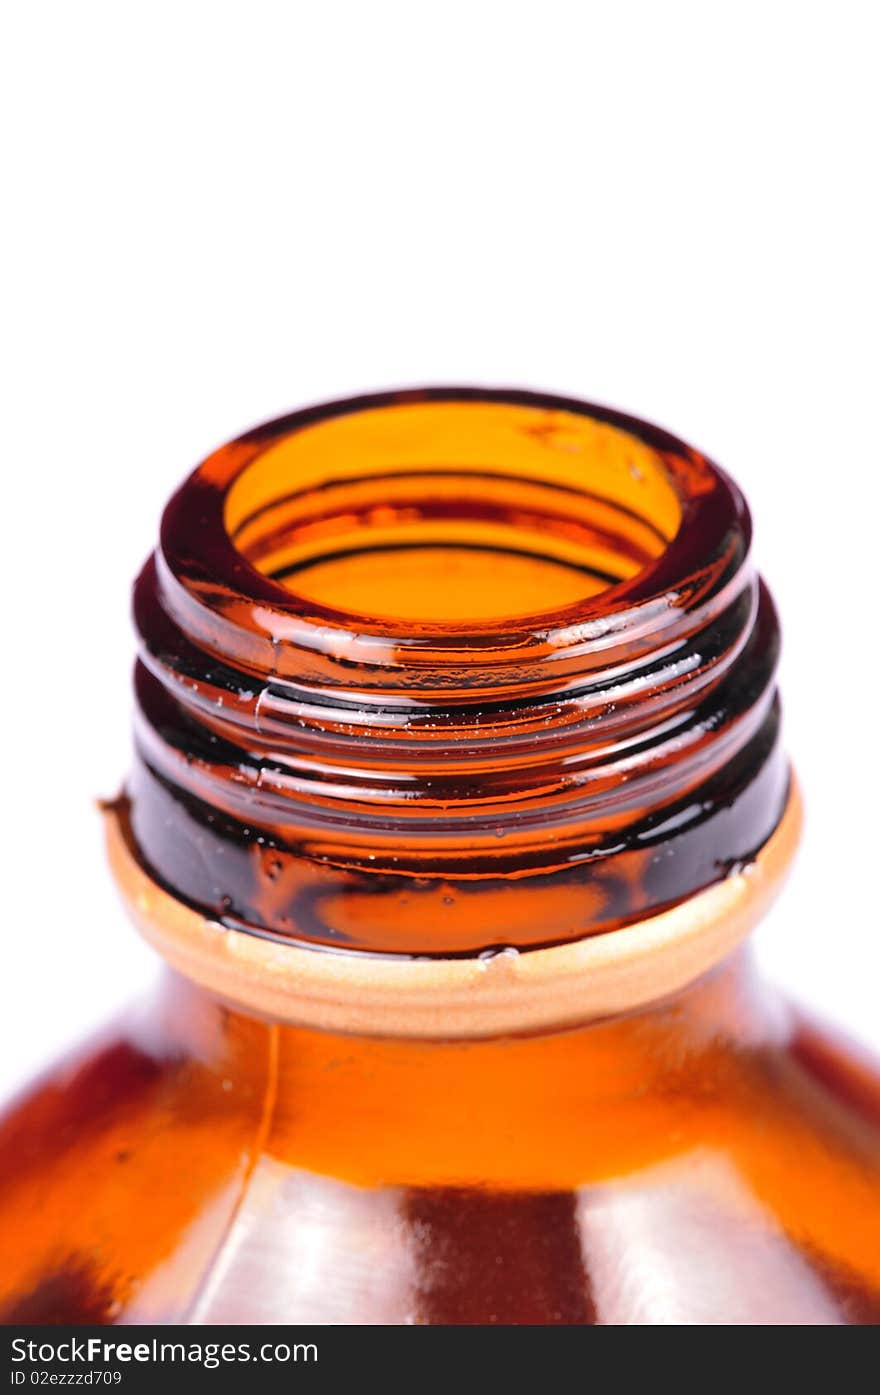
column 259, row 625
column 603, row 975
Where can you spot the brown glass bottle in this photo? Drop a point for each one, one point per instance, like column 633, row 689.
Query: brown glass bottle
column 457, row 787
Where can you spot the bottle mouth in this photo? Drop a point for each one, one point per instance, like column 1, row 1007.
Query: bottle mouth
column 453, row 543
column 451, row 521
column 400, row 643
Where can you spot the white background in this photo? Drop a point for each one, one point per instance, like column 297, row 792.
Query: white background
column 215, row 213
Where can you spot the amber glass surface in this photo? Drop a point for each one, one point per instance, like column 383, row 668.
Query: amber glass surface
column 432, row 672
column 714, row 1159
column 433, row 676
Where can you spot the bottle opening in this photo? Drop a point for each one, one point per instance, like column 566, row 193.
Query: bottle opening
column 447, row 513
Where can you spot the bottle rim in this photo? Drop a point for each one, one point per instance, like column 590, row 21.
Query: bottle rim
column 261, row 625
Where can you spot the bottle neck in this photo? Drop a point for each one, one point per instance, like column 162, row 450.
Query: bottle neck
column 443, row 674
column 470, row 998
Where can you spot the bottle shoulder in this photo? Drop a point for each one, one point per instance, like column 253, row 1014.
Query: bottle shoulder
column 145, row 1181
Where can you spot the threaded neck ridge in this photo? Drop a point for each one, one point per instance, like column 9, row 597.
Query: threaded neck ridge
column 432, row 673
